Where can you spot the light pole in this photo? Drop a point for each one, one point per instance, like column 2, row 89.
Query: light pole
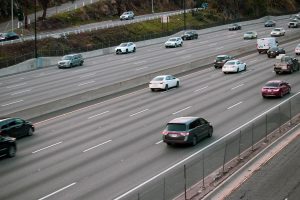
column 35, row 46
column 152, row 7
column 12, row 15
column 184, row 15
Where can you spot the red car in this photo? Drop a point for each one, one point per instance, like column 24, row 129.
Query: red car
column 275, row 88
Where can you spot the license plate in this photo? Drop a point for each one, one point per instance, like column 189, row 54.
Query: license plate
column 173, row 135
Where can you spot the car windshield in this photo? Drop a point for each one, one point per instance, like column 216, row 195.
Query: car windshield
column 273, row 49
column 285, row 59
column 276, row 29
column 126, row 13
column 172, row 39
column 176, row 127
column 230, row 63
column 249, row 32
column 123, row 44
column 159, row 78
column 188, row 33
column 272, row 84
column 220, row 58
column 67, row 58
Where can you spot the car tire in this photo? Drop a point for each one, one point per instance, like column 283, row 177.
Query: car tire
column 181, row 44
column 126, row 50
column 71, row 65
column 238, row 70
column 152, row 89
column 166, row 87
column 134, row 49
column 177, row 84
column 277, row 72
column 245, row 69
column 30, row 132
column 281, row 94
column 194, row 141
column 11, row 152
column 81, row 63
column 263, row 96
column 210, row 132
column 289, row 91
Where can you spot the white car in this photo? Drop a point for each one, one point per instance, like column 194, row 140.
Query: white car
column 297, row 49
column 250, row 35
column 233, row 66
column 174, row 42
column 164, row 82
column 127, row 15
column 125, row 48
column 277, row 32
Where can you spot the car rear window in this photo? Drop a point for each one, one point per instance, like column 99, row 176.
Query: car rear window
column 67, row 58
column 230, row 63
column 220, row 58
column 158, row 78
column 272, row 84
column 176, row 127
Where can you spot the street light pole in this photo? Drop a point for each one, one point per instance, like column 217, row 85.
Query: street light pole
column 35, row 46
column 184, row 15
column 12, row 15
column 152, row 7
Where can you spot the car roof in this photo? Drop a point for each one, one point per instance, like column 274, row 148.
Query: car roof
column 233, row 60
column 275, row 81
column 221, row 55
column 163, row 75
column 182, row 120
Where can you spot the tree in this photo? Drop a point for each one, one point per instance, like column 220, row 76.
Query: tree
column 44, row 4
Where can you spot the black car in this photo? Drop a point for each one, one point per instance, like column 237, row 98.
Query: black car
column 270, row 23
column 189, row 35
column 187, row 130
column 9, row 36
column 221, row 60
column 8, row 146
column 16, row 127
column 275, row 51
column 234, row 27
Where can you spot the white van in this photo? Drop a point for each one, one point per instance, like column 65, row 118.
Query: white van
column 264, row 44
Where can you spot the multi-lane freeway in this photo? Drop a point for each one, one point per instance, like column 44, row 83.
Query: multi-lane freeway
column 105, row 149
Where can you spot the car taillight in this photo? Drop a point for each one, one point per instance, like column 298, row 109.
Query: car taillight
column 165, row 132
column 276, row 90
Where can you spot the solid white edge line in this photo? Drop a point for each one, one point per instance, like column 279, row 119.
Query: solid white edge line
column 159, row 142
column 199, row 151
column 98, row 114
column 52, row 145
column 85, row 83
column 20, row 92
column 138, row 112
column 234, row 105
column 57, row 191
column 181, row 110
column 12, row 103
column 201, row 89
column 96, row 146
column 237, row 86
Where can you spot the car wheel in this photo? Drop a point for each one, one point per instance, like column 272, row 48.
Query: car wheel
column 245, row 68
column 166, row 87
column 291, row 71
column 289, row 91
column 264, row 96
column 238, row 70
column 210, row 132
column 126, row 50
column 11, row 152
column 281, row 94
column 177, row 84
column 181, row 44
column 152, row 89
column 81, row 63
column 269, row 56
column 194, row 140
column 71, row 65
column 30, row 132
column 277, row 72
column 134, row 49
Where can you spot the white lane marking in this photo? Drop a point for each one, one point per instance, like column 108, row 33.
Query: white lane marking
column 139, row 112
column 212, row 44
column 141, row 68
column 187, row 56
column 131, row 58
column 200, row 151
column 201, row 89
column 96, row 146
column 159, row 142
column 181, row 110
column 237, row 86
column 87, row 75
column 98, row 114
column 57, row 191
column 12, row 103
column 251, row 61
column 140, row 62
column 180, row 52
column 47, row 147
column 20, row 92
column 220, row 48
column 79, row 70
column 13, row 86
column 85, row 83
column 234, row 105
column 22, row 78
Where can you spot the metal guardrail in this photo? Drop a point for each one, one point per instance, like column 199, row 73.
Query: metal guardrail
column 193, row 169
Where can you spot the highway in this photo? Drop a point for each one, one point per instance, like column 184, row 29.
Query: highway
column 105, row 149
column 45, row 85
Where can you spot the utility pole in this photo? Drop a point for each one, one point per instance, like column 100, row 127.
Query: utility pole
column 184, row 15
column 152, row 7
column 12, row 15
column 35, row 45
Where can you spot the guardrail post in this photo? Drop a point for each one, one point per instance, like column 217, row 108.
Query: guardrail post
column 252, row 138
column 224, row 159
column 266, row 139
column 184, row 172
column 279, row 119
column 290, row 112
column 203, row 171
column 164, row 192
column 240, row 139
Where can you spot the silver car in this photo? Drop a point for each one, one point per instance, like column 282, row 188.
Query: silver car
column 127, row 15
column 70, row 60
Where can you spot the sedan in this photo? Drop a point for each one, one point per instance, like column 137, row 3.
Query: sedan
column 277, row 32
column 275, row 88
column 250, row 35
column 275, row 51
column 10, row 36
column 189, row 35
column 125, row 48
column 163, row 82
column 297, row 49
column 270, row 23
column 174, row 42
column 234, row 66
column 233, row 27
column 15, row 127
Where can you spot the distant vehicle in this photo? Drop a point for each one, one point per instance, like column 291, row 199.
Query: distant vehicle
column 174, row 42
column 294, row 23
column 70, row 60
column 250, row 35
column 8, row 146
column 187, row 130
column 275, row 88
column 264, row 44
column 189, row 35
column 270, row 23
column 234, row 66
column 277, row 32
column 275, row 51
column 164, row 82
column 125, row 48
column 8, row 36
column 16, row 127
column 297, row 49
column 221, row 60
column 286, row 64
column 127, row 15
column 234, row 27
